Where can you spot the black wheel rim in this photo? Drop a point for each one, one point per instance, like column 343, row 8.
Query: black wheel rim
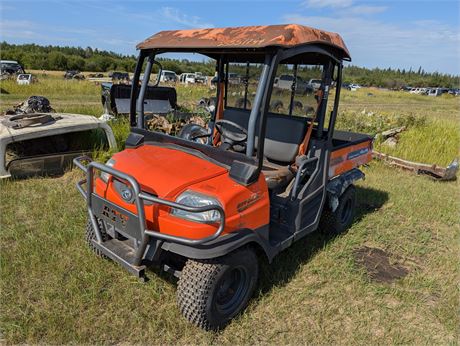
column 346, row 212
column 232, row 289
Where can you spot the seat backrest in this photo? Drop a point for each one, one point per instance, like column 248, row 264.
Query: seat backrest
column 283, row 134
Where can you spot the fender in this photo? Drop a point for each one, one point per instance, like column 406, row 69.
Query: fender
column 337, row 186
column 225, row 244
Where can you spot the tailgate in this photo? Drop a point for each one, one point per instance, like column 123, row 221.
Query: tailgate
column 350, row 150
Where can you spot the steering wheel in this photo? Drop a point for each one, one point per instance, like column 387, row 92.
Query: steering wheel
column 231, row 132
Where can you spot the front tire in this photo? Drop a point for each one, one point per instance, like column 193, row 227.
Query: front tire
column 211, row 292
column 90, row 235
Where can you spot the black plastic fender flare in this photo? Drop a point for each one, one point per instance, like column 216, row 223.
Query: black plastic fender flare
column 225, row 244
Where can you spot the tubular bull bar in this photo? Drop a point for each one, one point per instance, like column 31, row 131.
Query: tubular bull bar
column 115, row 249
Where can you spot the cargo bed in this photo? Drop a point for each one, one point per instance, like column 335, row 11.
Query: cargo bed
column 349, row 150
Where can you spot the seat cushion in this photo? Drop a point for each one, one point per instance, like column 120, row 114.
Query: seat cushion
column 277, row 177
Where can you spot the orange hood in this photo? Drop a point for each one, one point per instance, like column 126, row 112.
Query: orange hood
column 165, row 171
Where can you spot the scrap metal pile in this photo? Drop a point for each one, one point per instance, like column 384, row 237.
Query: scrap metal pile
column 34, row 104
column 172, row 125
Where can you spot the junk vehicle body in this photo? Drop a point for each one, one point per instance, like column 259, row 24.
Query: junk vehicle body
column 209, row 205
column 11, row 67
column 119, row 77
column 74, row 74
column 44, row 144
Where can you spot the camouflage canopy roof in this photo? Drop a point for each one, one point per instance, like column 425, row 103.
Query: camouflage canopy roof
column 250, row 37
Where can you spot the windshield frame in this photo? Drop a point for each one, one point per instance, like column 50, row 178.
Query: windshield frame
column 137, row 117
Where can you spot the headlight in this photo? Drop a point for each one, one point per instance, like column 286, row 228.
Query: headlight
column 194, row 199
column 105, row 176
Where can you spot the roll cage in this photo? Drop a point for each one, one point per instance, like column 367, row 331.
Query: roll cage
column 246, row 168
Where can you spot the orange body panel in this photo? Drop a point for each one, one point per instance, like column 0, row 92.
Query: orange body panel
column 345, row 159
column 167, row 173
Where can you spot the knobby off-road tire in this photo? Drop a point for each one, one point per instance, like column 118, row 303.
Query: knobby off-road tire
column 338, row 221
column 211, row 292
column 90, row 235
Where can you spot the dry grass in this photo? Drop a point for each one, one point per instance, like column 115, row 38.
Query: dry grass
column 54, row 290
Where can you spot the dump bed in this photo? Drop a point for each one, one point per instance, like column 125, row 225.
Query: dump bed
column 350, row 150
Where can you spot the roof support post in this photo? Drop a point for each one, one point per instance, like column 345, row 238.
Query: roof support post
column 134, row 89
column 334, row 111
column 267, row 92
column 140, row 98
column 255, row 111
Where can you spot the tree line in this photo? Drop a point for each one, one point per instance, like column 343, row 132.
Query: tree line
column 37, row 57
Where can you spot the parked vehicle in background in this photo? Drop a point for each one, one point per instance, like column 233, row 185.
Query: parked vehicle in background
column 353, row 87
column 119, row 77
column 187, row 78
column 234, row 78
column 420, row 91
column 24, row 79
column 434, row 92
column 285, row 82
column 73, row 74
column 11, row 67
column 454, row 92
column 314, row 83
column 168, row 76
column 199, row 78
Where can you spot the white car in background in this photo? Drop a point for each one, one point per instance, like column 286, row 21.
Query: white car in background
column 24, row 79
column 168, row 76
column 354, row 87
column 199, row 78
column 315, row 83
column 187, row 78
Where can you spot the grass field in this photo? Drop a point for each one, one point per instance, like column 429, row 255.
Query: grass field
column 54, row 290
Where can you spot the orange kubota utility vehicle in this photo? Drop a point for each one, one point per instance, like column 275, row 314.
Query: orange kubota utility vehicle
column 261, row 175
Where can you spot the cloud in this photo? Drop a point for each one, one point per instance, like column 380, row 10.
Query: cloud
column 328, row 3
column 364, row 10
column 179, row 17
column 23, row 29
column 374, row 43
column 345, row 7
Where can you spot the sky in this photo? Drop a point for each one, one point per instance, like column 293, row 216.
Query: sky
column 398, row 34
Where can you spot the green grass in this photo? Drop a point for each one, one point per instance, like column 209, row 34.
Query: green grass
column 54, row 290
column 436, row 142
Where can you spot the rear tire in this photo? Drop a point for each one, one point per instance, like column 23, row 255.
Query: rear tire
column 338, row 221
column 211, row 292
column 91, row 234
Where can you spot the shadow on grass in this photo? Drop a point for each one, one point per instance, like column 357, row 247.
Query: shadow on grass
column 287, row 263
